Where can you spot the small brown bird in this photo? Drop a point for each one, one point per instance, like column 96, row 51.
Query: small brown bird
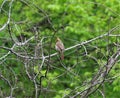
column 59, row 46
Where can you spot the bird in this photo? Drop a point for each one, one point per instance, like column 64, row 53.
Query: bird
column 59, row 46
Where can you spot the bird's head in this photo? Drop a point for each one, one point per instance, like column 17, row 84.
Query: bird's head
column 58, row 39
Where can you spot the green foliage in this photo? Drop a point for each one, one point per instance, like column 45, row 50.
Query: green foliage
column 75, row 21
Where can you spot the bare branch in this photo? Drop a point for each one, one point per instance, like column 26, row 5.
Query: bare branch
column 9, row 14
column 99, row 78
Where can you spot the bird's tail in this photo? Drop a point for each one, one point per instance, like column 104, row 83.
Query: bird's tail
column 62, row 56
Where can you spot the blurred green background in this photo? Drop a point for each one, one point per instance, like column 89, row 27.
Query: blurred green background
column 74, row 21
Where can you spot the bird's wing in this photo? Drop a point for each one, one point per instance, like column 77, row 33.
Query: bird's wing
column 60, row 46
